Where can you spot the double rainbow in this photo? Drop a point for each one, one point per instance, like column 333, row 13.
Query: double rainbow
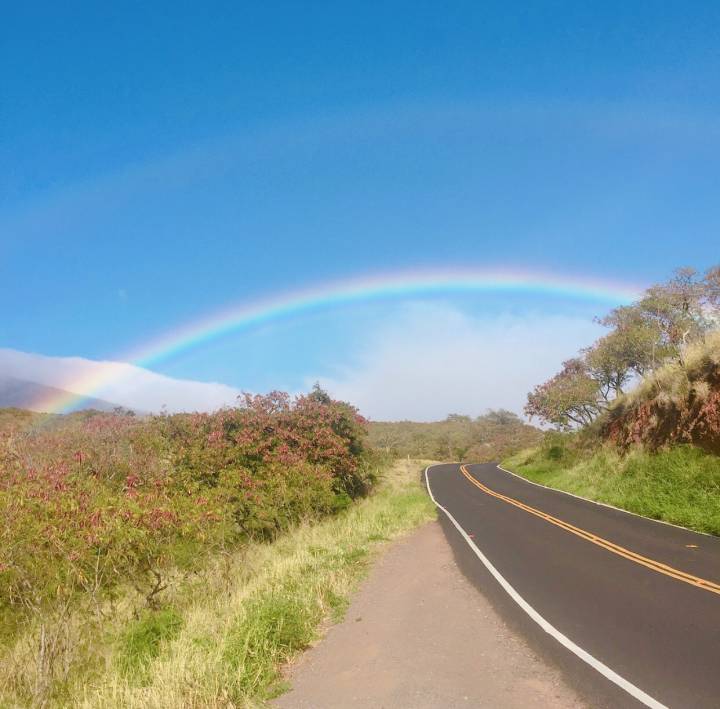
column 389, row 286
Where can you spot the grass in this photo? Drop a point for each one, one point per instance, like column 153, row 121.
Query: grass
column 679, row 485
column 221, row 639
column 143, row 639
column 674, row 380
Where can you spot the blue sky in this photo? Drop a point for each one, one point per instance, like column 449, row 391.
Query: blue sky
column 161, row 161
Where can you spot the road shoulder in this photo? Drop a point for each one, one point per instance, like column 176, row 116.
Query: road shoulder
column 418, row 634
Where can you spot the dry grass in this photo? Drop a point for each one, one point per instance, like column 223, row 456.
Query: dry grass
column 674, row 380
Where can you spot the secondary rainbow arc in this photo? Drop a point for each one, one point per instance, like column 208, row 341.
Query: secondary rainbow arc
column 400, row 285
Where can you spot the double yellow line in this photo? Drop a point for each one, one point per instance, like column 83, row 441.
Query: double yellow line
column 599, row 541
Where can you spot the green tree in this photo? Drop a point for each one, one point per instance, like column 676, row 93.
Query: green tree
column 319, row 395
column 500, row 417
column 635, row 343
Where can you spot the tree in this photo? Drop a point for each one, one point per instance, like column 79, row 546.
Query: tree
column 458, row 418
column 570, row 398
column 499, row 417
column 632, row 348
column 607, row 364
column 678, row 308
column 711, row 284
column 666, row 318
column 642, row 337
column 485, row 438
column 635, row 342
column 319, row 395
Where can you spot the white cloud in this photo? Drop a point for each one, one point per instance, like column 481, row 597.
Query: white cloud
column 434, row 360
column 122, row 384
column 423, row 362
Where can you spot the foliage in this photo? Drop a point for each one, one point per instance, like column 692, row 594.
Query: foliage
column 93, row 505
column 633, row 346
column 655, row 331
column 224, row 631
column 485, row 438
column 652, row 450
column 682, row 308
column 569, row 398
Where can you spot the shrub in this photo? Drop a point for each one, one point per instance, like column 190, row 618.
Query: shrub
column 91, row 503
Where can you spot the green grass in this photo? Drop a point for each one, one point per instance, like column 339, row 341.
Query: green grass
column 143, row 638
column 680, row 485
column 222, row 637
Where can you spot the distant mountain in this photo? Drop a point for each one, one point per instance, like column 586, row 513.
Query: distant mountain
column 122, row 383
column 22, row 394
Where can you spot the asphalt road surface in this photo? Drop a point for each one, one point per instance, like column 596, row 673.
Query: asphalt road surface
column 628, row 607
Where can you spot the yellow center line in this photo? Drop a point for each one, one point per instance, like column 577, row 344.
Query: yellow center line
column 599, row 541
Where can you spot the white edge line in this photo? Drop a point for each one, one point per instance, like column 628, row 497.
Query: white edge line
column 603, row 504
column 585, row 656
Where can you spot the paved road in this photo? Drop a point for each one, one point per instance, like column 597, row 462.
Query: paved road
column 628, row 606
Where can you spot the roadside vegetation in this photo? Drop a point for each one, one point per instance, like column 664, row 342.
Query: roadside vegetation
column 482, row 439
column 636, row 416
column 123, row 539
column 221, row 637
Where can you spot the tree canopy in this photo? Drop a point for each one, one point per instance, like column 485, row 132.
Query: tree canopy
column 643, row 336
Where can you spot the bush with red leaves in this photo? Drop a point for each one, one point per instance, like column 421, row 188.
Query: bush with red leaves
column 90, row 502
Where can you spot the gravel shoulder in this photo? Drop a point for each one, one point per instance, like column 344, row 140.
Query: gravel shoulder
column 418, row 634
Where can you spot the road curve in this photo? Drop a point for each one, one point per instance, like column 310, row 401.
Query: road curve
column 629, row 605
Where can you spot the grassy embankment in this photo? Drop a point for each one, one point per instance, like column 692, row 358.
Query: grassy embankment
column 654, row 452
column 680, row 485
column 220, row 637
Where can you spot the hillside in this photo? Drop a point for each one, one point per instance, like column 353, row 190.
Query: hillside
column 485, row 438
column 654, row 448
column 679, row 403
column 23, row 394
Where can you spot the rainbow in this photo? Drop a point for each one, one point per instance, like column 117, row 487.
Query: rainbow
column 388, row 286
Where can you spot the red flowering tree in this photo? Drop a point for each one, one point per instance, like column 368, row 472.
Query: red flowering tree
column 570, row 398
